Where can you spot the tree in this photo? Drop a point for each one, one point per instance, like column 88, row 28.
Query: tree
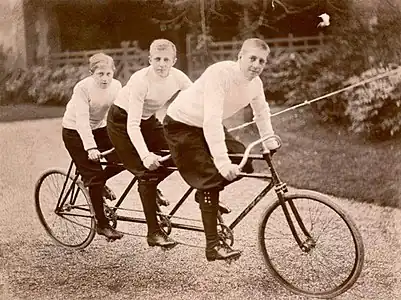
column 251, row 17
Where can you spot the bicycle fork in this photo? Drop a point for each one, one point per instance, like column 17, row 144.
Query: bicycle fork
column 280, row 189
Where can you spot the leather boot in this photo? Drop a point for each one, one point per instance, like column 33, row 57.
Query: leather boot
column 222, row 252
column 109, row 232
column 96, row 198
column 223, row 208
column 159, row 238
column 208, row 202
column 148, row 192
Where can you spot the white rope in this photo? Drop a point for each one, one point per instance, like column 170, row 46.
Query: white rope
column 306, row 102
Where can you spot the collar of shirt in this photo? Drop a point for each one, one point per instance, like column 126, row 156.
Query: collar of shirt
column 239, row 77
column 154, row 77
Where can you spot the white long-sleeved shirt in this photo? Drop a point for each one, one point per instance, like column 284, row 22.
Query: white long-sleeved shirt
column 220, row 92
column 143, row 95
column 88, row 107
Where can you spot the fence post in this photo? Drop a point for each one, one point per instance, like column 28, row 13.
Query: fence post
column 290, row 42
column 188, row 46
column 124, row 61
column 321, row 39
column 85, row 58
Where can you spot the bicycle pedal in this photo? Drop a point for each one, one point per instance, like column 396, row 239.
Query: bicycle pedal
column 166, row 249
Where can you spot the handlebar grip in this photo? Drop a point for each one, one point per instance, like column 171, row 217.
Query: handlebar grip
column 107, row 152
column 164, row 158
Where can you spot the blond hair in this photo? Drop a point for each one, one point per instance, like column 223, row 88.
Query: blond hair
column 99, row 59
column 162, row 44
column 254, row 43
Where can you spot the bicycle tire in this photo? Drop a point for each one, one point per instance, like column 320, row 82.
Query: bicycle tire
column 77, row 213
column 291, row 276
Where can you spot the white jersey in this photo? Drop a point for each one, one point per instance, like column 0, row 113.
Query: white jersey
column 88, row 107
column 143, row 95
column 220, row 92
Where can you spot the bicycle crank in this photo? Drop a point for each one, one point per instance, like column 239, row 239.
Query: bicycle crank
column 225, row 234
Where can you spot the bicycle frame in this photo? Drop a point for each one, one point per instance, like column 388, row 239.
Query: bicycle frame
column 176, row 207
column 274, row 181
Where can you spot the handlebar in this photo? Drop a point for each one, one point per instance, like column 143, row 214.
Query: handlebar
column 244, row 158
column 257, row 142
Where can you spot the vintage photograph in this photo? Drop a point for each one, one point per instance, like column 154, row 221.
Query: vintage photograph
column 200, row 149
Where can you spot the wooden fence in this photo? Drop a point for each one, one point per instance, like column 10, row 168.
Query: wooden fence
column 130, row 58
column 198, row 60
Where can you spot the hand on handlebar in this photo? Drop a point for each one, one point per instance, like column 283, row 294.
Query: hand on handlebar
column 230, row 171
column 152, row 161
column 94, row 154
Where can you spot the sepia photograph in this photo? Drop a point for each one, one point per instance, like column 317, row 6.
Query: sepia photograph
column 200, row 149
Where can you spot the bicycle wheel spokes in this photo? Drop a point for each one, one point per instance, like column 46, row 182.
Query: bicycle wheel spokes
column 69, row 220
column 327, row 263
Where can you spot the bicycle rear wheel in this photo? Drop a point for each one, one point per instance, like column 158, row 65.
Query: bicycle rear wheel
column 64, row 209
column 333, row 255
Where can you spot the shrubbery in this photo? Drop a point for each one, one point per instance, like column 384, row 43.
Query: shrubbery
column 359, row 50
column 375, row 108
column 41, row 85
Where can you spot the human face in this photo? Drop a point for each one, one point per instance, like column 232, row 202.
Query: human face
column 252, row 62
column 103, row 76
column 162, row 61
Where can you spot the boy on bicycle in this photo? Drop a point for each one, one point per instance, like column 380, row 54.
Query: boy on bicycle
column 136, row 133
column 85, row 135
column 198, row 141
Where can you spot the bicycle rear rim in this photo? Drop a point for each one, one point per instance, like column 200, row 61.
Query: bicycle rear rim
column 333, row 256
column 64, row 209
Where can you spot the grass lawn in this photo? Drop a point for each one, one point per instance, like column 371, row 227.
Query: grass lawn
column 329, row 159
column 10, row 113
column 326, row 158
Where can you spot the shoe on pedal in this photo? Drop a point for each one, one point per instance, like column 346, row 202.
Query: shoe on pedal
column 160, row 199
column 108, row 193
column 221, row 252
column 223, row 208
column 109, row 232
column 159, row 238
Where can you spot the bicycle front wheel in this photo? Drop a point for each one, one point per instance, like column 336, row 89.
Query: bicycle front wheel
column 64, row 209
column 330, row 259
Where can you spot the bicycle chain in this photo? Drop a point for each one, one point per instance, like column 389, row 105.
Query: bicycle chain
column 136, row 235
column 158, row 213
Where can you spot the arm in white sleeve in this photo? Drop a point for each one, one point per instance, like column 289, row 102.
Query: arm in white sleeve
column 82, row 117
column 215, row 90
column 136, row 93
column 118, row 87
column 261, row 112
column 185, row 82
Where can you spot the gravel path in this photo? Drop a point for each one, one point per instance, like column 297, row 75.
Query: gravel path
column 32, row 267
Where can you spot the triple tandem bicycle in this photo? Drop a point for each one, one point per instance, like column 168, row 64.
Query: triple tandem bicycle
column 309, row 244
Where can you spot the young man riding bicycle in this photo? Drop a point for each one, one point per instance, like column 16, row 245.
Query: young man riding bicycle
column 198, row 141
